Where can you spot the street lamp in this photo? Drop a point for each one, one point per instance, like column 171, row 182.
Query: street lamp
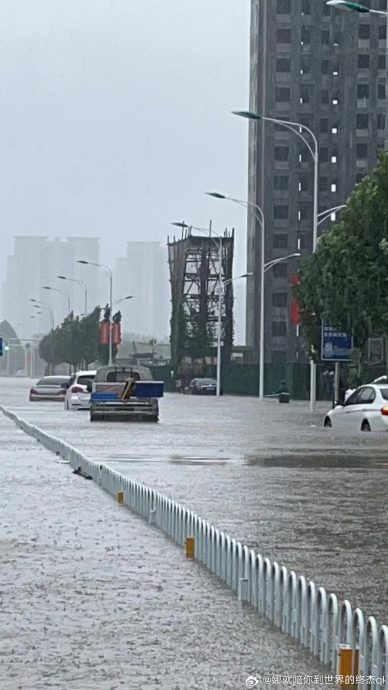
column 64, row 292
column 43, row 305
column 123, row 299
column 273, row 263
column 259, row 216
column 324, row 215
column 298, row 128
column 84, row 287
column 354, row 7
column 109, row 273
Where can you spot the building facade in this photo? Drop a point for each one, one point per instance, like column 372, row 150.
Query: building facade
column 326, row 69
column 143, row 274
column 36, row 263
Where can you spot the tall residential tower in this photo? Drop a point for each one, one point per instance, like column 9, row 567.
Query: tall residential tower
column 324, row 68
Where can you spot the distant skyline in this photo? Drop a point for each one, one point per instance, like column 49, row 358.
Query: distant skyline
column 116, row 119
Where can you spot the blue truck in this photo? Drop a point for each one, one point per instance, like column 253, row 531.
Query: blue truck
column 125, row 393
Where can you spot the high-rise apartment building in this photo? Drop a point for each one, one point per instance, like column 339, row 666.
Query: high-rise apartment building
column 143, row 273
column 36, row 263
column 326, row 69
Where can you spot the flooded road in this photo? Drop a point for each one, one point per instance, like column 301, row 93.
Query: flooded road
column 269, row 474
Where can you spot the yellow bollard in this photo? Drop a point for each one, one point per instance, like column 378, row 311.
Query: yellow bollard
column 120, row 498
column 190, row 547
column 346, row 667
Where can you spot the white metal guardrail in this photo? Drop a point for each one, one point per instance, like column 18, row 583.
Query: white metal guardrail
column 314, row 618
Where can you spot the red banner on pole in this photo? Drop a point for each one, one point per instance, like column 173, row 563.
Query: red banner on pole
column 116, row 334
column 104, row 332
column 295, row 313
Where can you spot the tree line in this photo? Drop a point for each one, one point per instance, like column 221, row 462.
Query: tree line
column 345, row 282
column 76, row 341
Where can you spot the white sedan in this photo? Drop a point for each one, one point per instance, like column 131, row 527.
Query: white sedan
column 366, row 409
column 79, row 390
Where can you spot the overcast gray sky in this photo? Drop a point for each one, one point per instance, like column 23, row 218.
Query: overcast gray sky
column 115, row 118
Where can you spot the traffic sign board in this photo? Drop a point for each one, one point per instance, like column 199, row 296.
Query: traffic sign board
column 336, row 346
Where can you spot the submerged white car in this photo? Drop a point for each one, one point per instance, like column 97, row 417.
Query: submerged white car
column 79, row 390
column 366, row 409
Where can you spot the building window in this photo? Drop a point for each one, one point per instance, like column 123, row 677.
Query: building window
column 283, row 35
column 283, row 65
column 279, row 327
column 324, row 96
column 283, row 94
column 333, row 159
column 306, row 35
column 323, row 184
column 362, row 151
column 381, row 121
column 362, row 121
column 363, row 91
column 323, row 154
column 281, row 153
column 283, row 6
column 333, row 187
column 280, row 241
column 278, row 356
column 281, row 182
column 304, row 211
column 306, row 7
column 325, row 38
column 280, row 212
column 280, row 270
column 325, row 64
column 304, row 183
column 364, row 31
column 305, row 64
column 382, row 5
column 304, row 93
column 381, row 91
column 363, row 61
column 359, row 177
column 324, row 125
column 382, row 61
column 279, row 299
column 382, row 31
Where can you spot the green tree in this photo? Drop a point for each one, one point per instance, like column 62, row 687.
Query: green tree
column 346, row 281
column 48, row 349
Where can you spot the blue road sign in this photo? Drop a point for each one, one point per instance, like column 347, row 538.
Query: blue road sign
column 336, row 346
column 1, row 347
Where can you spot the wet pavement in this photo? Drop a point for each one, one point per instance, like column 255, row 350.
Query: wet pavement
column 269, row 474
column 93, row 598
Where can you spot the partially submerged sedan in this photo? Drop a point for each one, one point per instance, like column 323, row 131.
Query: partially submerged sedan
column 366, row 409
column 50, row 388
column 79, row 390
column 202, row 386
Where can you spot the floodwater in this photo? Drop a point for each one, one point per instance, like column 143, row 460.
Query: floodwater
column 269, row 474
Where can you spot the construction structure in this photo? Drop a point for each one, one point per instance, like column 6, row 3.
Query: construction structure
column 200, row 271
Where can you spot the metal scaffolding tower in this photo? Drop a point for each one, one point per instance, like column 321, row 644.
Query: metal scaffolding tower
column 195, row 282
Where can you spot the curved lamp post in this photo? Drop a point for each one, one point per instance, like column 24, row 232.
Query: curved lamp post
column 354, row 7
column 84, row 287
column 64, row 292
column 301, row 131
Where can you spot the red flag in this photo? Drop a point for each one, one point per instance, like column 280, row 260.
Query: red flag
column 295, row 313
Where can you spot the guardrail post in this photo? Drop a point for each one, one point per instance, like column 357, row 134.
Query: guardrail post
column 190, row 547
column 243, row 589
